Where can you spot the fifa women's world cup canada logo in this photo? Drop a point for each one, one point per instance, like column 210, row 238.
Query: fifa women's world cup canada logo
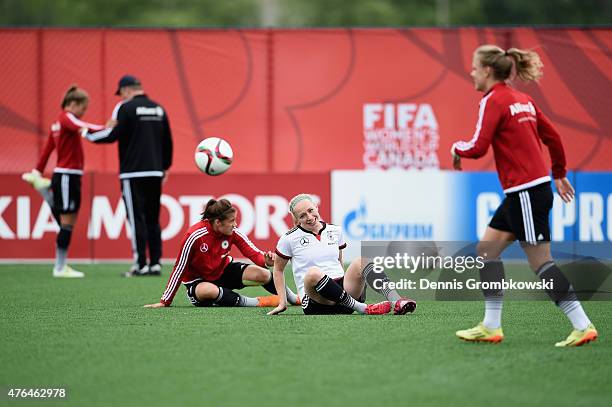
column 402, row 135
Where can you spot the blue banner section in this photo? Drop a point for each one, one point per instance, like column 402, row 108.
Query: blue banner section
column 586, row 219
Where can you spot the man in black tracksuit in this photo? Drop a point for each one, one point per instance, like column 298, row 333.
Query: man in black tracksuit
column 145, row 154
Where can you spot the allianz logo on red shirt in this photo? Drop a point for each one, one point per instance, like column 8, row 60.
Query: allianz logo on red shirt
column 522, row 108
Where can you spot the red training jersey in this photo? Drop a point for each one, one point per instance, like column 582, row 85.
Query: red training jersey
column 65, row 136
column 204, row 255
column 511, row 122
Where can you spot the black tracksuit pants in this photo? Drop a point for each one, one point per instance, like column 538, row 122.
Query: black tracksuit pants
column 142, row 203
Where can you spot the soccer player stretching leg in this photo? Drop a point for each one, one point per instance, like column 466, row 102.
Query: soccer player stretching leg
column 63, row 191
column 315, row 250
column 511, row 122
column 210, row 274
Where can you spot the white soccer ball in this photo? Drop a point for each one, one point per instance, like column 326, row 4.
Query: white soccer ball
column 213, row 156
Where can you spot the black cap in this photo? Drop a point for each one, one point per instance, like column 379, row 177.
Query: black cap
column 127, row 80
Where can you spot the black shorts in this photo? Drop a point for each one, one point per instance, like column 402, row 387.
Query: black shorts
column 231, row 278
column 311, row 307
column 66, row 192
column 525, row 214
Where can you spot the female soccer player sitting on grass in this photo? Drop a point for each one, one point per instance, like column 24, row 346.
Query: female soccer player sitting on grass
column 63, row 191
column 209, row 273
column 511, row 122
column 315, row 250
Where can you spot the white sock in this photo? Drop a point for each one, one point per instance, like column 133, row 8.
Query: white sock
column 60, row 258
column 575, row 313
column 493, row 311
column 247, row 301
column 359, row 307
column 353, row 304
column 291, row 296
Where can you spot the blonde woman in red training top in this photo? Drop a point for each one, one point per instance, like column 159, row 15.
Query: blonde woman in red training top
column 511, row 122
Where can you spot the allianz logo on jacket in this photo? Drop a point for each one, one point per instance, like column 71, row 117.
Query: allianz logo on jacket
column 522, row 108
column 149, row 111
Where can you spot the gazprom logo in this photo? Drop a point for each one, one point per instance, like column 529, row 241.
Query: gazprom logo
column 358, row 228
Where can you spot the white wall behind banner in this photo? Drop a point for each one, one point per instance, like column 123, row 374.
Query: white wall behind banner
column 397, row 205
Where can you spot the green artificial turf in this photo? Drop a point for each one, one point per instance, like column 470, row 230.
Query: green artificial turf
column 94, row 337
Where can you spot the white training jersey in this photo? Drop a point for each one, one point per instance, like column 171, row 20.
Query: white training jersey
column 306, row 249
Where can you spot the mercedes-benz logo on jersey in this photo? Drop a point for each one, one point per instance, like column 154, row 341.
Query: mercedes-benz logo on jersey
column 304, row 241
column 203, row 247
column 224, row 244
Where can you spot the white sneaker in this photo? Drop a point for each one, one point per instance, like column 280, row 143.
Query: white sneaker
column 135, row 272
column 155, row 270
column 35, row 179
column 67, row 272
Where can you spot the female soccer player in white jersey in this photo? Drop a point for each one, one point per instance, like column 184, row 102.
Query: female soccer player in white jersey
column 210, row 274
column 315, row 250
column 63, row 191
column 510, row 121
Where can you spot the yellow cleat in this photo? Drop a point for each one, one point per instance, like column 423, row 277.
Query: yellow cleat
column 480, row 333
column 67, row 272
column 579, row 338
column 268, row 301
column 35, row 179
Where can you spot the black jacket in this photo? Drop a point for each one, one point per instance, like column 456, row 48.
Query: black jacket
column 145, row 140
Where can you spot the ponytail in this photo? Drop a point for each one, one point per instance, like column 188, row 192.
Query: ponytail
column 527, row 64
column 74, row 94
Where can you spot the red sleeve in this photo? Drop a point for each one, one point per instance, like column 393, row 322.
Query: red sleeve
column 488, row 119
column 247, row 248
column 551, row 138
column 181, row 263
column 44, row 156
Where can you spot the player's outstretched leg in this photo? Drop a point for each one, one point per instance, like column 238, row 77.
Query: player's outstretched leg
column 333, row 293
column 225, row 297
column 255, row 275
column 401, row 305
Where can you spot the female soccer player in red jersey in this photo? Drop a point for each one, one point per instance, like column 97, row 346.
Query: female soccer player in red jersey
column 207, row 270
column 63, row 191
column 315, row 250
column 515, row 127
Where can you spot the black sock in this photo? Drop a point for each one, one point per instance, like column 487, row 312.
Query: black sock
column 331, row 290
column 269, row 286
column 562, row 289
column 64, row 236
column 227, row 298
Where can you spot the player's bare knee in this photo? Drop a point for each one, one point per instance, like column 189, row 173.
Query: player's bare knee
column 206, row 291
column 313, row 276
column 262, row 275
column 265, row 276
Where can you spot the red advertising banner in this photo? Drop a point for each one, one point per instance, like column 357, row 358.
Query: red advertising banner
column 28, row 231
column 305, row 100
